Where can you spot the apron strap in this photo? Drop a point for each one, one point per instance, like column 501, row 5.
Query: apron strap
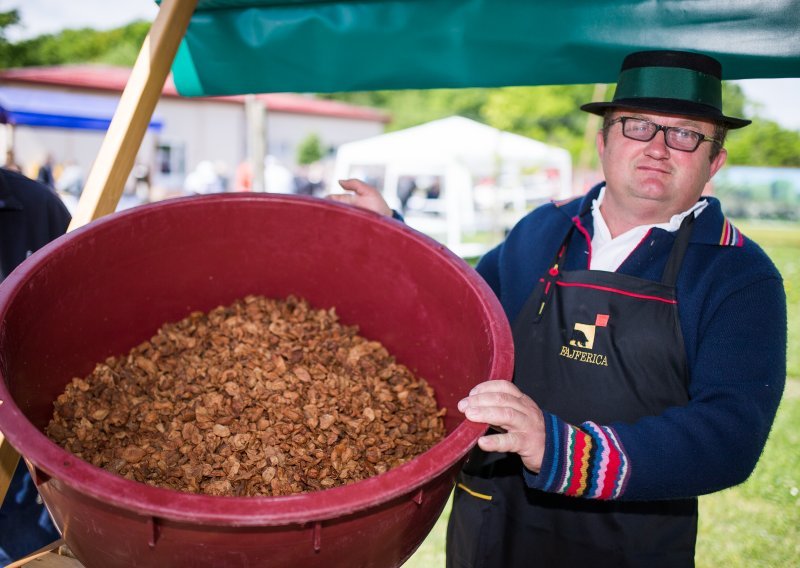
column 670, row 275
column 668, row 278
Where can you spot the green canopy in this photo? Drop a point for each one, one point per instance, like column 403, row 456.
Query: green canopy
column 240, row 46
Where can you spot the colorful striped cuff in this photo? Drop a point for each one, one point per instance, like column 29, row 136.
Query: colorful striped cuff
column 587, row 461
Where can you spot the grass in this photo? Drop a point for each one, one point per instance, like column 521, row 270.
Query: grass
column 756, row 524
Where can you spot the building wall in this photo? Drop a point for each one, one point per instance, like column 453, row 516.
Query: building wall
column 286, row 131
column 194, row 131
column 68, row 147
column 197, row 131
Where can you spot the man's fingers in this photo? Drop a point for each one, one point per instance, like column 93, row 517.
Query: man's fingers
column 496, row 386
column 362, row 195
column 356, row 186
column 520, row 402
column 342, row 197
column 506, row 442
column 507, row 418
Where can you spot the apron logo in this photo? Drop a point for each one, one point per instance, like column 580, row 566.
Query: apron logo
column 582, row 337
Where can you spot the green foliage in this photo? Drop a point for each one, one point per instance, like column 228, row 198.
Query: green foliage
column 119, row 46
column 764, row 143
column 552, row 114
column 310, row 150
column 733, row 99
column 548, row 113
column 7, row 19
column 413, row 107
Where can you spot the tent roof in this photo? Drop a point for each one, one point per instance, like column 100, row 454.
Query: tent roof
column 38, row 107
column 256, row 46
column 454, row 138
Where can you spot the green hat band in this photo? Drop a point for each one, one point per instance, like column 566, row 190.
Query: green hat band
column 669, row 83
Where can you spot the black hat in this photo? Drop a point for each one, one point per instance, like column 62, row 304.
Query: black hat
column 675, row 82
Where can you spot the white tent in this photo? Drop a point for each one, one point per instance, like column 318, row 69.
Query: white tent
column 480, row 168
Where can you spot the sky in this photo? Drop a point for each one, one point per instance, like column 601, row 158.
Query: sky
column 776, row 98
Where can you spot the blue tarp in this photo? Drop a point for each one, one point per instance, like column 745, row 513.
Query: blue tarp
column 37, row 107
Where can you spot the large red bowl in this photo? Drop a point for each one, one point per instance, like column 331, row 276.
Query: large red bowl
column 102, row 289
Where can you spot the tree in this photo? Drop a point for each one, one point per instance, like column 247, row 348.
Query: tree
column 119, row 46
column 310, row 150
column 7, row 20
column 551, row 114
column 764, row 143
column 547, row 113
column 733, row 99
column 412, row 107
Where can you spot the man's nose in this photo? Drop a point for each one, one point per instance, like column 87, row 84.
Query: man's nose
column 657, row 146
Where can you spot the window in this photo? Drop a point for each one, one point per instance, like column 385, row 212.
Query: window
column 171, row 159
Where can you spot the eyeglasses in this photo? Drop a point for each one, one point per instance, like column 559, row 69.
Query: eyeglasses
column 676, row 137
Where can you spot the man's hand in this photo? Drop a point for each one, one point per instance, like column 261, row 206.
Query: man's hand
column 504, row 406
column 364, row 196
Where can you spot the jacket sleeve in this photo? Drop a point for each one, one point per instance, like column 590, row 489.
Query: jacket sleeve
column 58, row 218
column 488, row 267
column 713, row 442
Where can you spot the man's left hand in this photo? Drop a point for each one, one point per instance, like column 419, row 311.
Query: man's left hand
column 362, row 195
column 502, row 405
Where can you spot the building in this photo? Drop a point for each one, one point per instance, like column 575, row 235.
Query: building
column 64, row 112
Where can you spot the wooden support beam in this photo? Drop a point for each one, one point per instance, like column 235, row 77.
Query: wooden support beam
column 47, row 557
column 9, row 458
column 113, row 165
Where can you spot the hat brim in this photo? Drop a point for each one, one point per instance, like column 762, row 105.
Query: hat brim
column 669, row 106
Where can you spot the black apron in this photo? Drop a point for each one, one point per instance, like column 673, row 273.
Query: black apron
column 635, row 367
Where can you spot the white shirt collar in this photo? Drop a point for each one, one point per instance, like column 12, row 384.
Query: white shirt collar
column 608, row 253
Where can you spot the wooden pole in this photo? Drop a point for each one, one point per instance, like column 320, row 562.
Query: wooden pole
column 114, row 161
column 113, row 165
column 255, row 112
column 8, row 463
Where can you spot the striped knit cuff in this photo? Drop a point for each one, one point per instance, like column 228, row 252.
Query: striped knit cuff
column 587, row 461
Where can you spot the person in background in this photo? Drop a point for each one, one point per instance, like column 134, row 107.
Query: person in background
column 243, row 178
column 31, row 215
column 45, row 175
column 11, row 162
column 650, row 345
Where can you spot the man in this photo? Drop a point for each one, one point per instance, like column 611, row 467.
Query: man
column 45, row 175
column 650, row 346
column 31, row 215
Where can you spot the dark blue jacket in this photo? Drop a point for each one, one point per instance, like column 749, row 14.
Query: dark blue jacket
column 31, row 215
column 732, row 309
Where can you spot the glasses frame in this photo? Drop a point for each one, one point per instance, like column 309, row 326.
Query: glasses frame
column 702, row 137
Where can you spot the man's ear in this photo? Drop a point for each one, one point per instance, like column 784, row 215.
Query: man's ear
column 717, row 162
column 601, row 144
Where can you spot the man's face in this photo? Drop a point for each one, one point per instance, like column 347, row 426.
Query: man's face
column 650, row 180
